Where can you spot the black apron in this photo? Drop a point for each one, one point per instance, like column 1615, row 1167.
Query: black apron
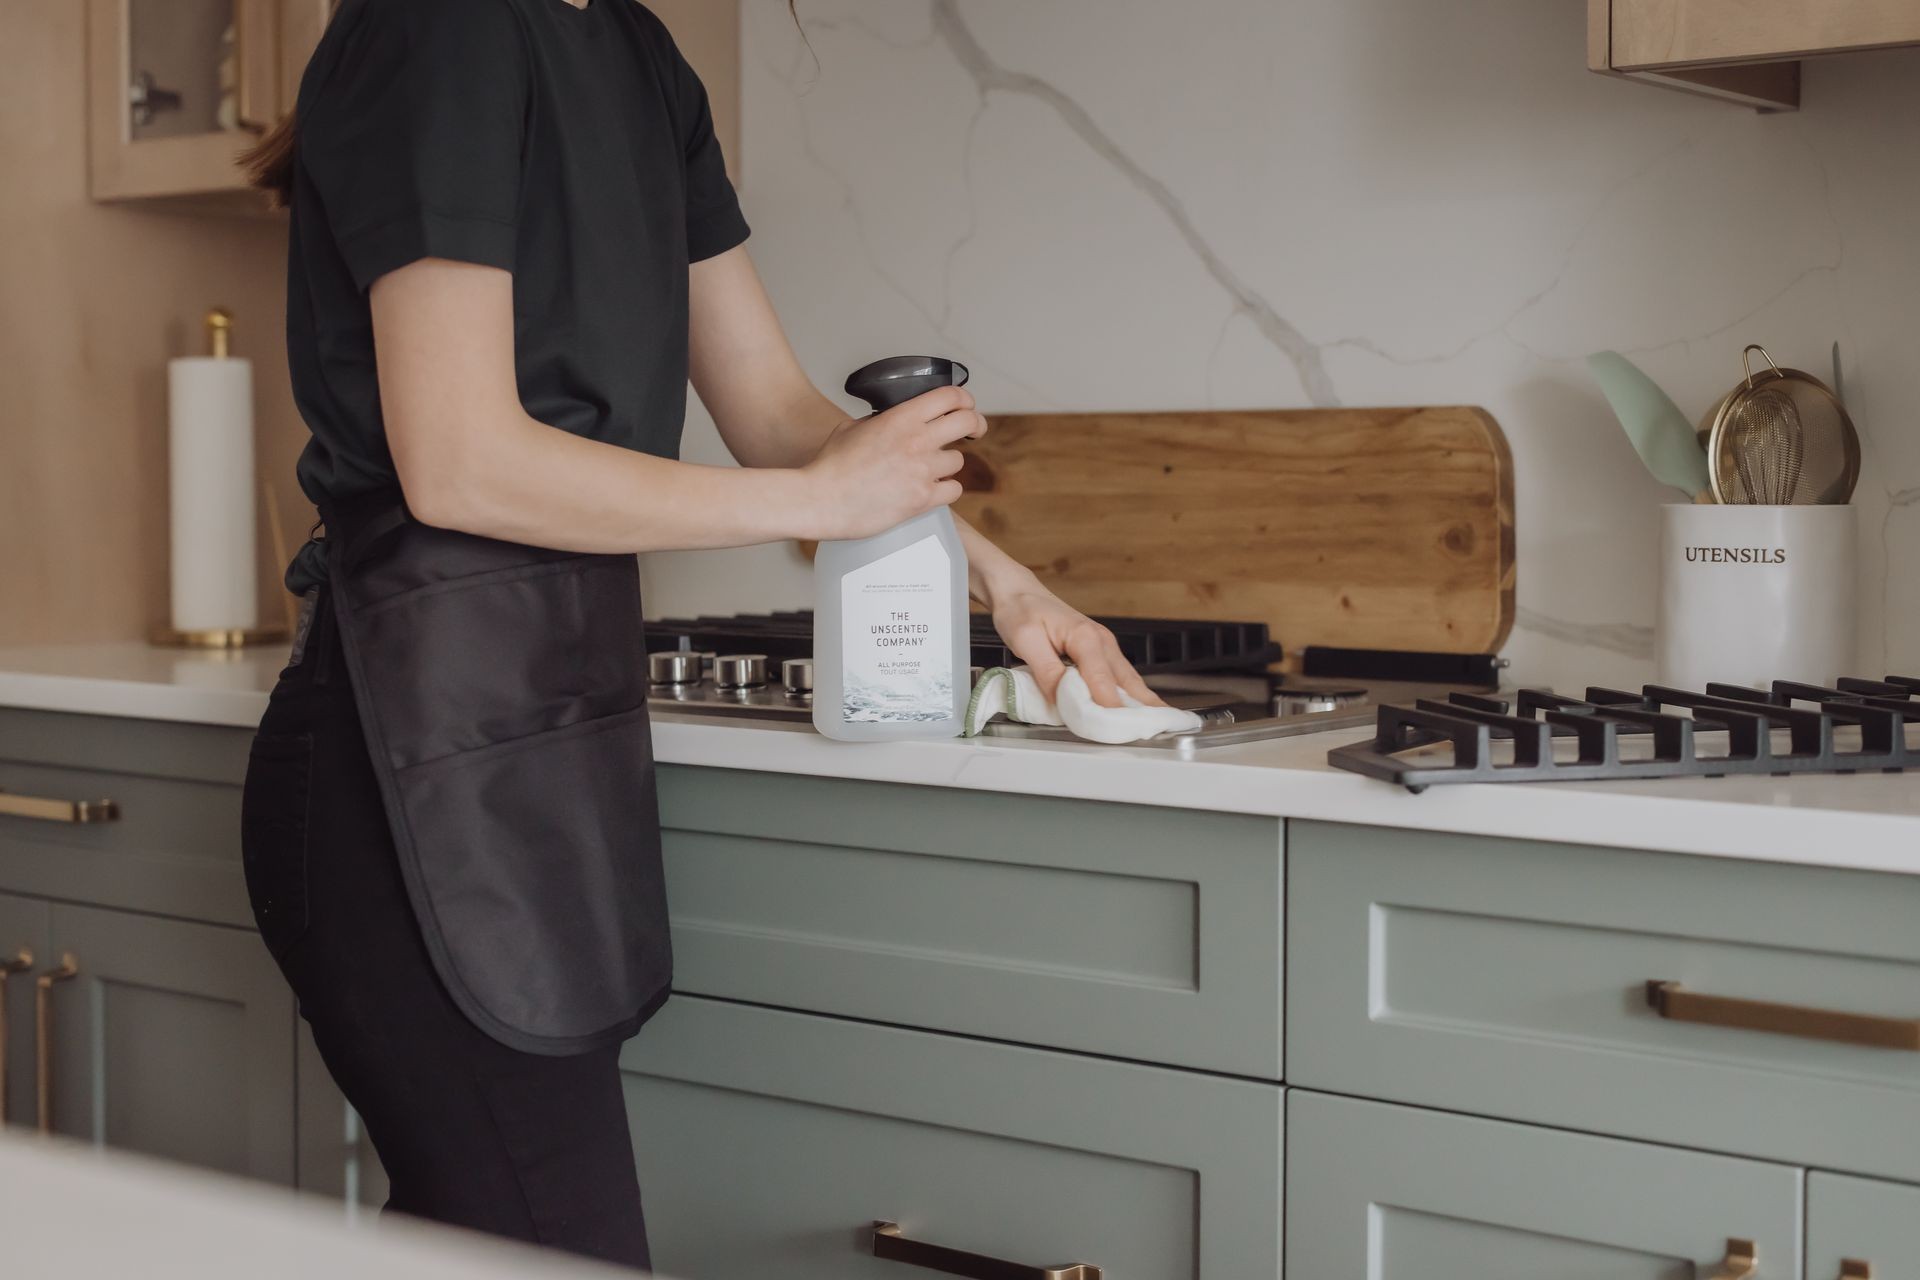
column 503, row 692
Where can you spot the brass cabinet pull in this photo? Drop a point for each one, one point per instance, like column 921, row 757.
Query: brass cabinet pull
column 43, row 1034
column 45, row 810
column 1671, row 1000
column 1854, row 1269
column 21, row 962
column 888, row 1243
column 1741, row 1263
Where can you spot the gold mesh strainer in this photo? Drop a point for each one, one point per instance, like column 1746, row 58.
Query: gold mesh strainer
column 1781, row 437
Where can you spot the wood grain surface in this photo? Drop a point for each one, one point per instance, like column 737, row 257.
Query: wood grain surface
column 1367, row 528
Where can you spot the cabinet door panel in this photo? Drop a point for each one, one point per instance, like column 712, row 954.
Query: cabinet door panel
column 1396, row 1193
column 770, row 1142
column 173, row 850
column 1509, row 978
column 23, row 936
column 1853, row 1219
column 1123, row 930
column 176, row 1040
column 163, row 95
column 1669, row 33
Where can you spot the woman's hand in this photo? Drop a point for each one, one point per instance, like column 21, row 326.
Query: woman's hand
column 875, row 472
column 1040, row 627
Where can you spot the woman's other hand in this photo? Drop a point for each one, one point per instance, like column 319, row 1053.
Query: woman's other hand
column 875, row 472
column 1041, row 628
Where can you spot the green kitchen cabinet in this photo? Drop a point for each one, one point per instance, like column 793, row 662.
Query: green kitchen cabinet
column 1699, row 1002
column 173, row 1039
column 172, row 846
column 1397, row 1193
column 770, row 1143
column 23, row 950
column 1128, row 931
column 1862, row 1230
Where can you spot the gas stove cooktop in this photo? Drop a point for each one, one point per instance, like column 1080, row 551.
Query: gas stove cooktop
column 1857, row 725
column 760, row 667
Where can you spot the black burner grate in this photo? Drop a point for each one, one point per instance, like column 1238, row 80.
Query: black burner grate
column 1858, row 726
column 1154, row 647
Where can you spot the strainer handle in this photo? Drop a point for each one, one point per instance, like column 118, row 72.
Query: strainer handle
column 1746, row 362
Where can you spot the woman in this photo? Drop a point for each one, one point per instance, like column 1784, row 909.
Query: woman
column 513, row 240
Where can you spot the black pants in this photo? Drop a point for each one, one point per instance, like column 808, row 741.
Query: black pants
column 472, row 1133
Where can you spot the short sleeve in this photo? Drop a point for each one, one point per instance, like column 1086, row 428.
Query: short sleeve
column 413, row 140
column 714, row 221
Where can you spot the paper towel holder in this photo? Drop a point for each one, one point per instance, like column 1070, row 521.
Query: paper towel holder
column 219, row 329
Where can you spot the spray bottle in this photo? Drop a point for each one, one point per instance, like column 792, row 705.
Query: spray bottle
column 891, row 655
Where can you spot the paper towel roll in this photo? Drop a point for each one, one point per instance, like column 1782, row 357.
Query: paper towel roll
column 210, row 456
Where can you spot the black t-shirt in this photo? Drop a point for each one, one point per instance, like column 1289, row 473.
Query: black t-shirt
column 572, row 147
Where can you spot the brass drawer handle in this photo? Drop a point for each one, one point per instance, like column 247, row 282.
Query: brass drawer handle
column 1854, row 1269
column 45, row 810
column 43, row 1033
column 888, row 1243
column 1741, row 1263
column 1673, row 1001
column 21, row 962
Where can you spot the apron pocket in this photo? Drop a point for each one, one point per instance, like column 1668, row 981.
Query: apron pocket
column 273, row 836
column 460, row 665
column 539, row 862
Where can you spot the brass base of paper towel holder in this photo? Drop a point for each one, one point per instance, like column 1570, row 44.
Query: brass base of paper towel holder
column 217, row 637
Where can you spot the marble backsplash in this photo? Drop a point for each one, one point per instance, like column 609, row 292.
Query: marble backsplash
column 1118, row 204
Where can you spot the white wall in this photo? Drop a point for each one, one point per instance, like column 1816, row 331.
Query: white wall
column 1133, row 204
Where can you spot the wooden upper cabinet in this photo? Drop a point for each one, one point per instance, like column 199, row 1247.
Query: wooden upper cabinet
column 1745, row 51
column 177, row 89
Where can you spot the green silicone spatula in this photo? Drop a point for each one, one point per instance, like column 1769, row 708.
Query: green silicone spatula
column 1660, row 433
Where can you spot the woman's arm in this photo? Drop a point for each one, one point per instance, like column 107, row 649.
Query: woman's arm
column 771, row 415
column 470, row 458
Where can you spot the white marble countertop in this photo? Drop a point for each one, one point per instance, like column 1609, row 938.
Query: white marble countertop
column 190, row 685
column 1870, row 822
column 76, row 1210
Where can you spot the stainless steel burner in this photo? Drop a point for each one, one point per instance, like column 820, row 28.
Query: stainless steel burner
column 1248, row 707
column 756, row 666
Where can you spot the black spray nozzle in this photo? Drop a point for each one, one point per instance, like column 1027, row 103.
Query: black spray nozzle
column 898, row 379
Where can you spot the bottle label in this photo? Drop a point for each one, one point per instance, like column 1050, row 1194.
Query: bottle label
column 896, row 619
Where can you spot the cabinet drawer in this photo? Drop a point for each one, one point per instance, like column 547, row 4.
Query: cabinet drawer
column 1123, row 930
column 174, row 848
column 1510, row 978
column 1852, row 1220
column 770, row 1142
column 1395, row 1193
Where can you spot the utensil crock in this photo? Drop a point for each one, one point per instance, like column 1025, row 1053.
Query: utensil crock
column 1750, row 594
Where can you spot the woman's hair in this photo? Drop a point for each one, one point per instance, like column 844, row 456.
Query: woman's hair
column 269, row 163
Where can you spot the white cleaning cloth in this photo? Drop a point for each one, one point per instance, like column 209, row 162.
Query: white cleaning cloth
column 1016, row 695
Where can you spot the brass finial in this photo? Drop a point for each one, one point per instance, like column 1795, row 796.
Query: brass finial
column 219, row 329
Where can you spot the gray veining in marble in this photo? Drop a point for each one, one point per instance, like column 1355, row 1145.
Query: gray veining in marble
column 994, row 78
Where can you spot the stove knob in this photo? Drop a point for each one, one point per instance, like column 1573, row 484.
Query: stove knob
column 673, row 667
column 707, row 658
column 1314, row 702
column 740, row 670
column 796, row 676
